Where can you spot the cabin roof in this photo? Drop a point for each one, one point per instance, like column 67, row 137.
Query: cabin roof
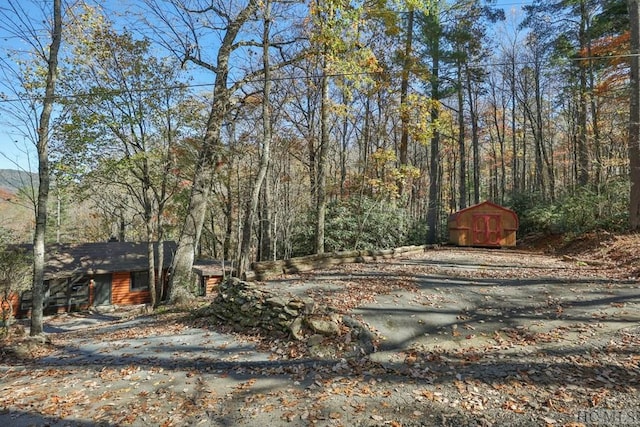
column 65, row 260
column 212, row 267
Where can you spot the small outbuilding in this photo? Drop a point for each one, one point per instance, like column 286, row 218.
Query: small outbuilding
column 210, row 274
column 485, row 224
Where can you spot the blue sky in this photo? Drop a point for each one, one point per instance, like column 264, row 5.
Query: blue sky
column 15, row 149
column 12, row 157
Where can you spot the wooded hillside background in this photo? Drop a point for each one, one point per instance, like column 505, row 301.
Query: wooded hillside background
column 256, row 130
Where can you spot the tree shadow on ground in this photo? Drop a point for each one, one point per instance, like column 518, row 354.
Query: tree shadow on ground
column 578, row 348
column 495, row 362
column 32, row 418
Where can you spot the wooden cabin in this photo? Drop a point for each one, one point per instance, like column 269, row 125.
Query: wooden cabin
column 79, row 276
column 485, row 224
column 209, row 274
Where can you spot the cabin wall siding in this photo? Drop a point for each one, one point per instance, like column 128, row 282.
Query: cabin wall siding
column 121, row 293
column 12, row 304
column 211, row 284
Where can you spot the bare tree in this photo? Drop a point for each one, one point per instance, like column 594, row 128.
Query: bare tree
column 130, row 104
column 43, row 171
column 634, row 116
column 36, row 109
column 226, row 21
column 252, row 204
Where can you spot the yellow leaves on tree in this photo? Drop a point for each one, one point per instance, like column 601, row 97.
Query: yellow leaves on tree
column 336, row 36
column 422, row 126
column 384, row 177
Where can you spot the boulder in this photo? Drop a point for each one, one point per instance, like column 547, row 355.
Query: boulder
column 327, row 327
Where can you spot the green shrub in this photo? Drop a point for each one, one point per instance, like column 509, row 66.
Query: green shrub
column 588, row 210
column 417, row 233
column 581, row 211
column 357, row 223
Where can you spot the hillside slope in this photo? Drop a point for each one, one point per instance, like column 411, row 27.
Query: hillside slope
column 619, row 251
column 13, row 180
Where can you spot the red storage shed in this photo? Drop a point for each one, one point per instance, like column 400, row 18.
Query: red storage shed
column 485, row 224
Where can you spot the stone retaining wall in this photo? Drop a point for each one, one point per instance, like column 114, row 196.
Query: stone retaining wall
column 245, row 305
column 264, row 270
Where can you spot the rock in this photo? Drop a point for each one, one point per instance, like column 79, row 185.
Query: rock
column 276, row 302
column 18, row 351
column 39, row 339
column 245, row 306
column 366, row 339
column 315, row 340
column 324, row 326
column 291, row 312
column 296, row 304
column 309, row 306
column 296, row 329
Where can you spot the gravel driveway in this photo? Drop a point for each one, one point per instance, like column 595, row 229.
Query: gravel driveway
column 465, row 337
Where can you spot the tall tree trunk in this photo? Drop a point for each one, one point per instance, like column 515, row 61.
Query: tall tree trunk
column 514, row 137
column 475, row 141
column 344, row 146
column 433, row 208
column 583, row 150
column 151, row 268
column 162, row 199
column 182, row 265
column 252, row 206
column 634, row 119
column 43, row 172
column 160, row 277
column 148, row 219
column 523, row 171
column 539, row 129
column 228, row 215
column 462, row 184
column 122, row 226
column 153, row 290
column 595, row 119
column 321, row 183
column 404, row 89
column 208, row 158
column 323, row 149
column 500, row 124
column 534, row 114
column 266, row 226
column 503, row 166
column 366, row 137
column 228, row 205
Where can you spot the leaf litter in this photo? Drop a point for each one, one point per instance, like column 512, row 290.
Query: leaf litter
column 539, row 373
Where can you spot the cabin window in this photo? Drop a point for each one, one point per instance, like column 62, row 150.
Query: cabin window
column 140, row 281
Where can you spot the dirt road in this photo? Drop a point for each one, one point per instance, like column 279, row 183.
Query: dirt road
column 464, row 337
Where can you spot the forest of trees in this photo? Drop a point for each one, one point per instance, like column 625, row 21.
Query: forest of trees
column 252, row 130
